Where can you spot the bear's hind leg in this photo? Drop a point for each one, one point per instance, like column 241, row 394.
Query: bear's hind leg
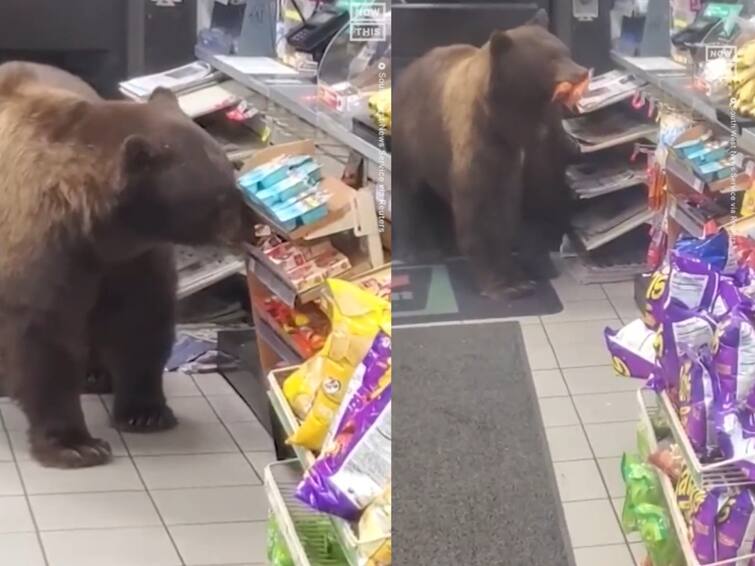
column 46, row 379
column 134, row 331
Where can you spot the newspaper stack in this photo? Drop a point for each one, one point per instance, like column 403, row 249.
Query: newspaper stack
column 611, row 217
column 587, row 180
column 607, row 89
column 181, row 79
column 609, row 127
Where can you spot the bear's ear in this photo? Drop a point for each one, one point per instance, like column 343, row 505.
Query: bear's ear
column 138, row 154
column 500, row 41
column 540, row 19
column 165, row 98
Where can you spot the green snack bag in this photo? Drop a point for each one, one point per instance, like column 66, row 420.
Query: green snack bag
column 277, row 551
column 658, row 535
column 641, row 487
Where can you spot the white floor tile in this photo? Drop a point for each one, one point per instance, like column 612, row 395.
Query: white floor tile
column 187, row 438
column 613, row 439
column 539, row 351
column 221, row 544
column 558, row 411
column 15, row 517
column 615, row 555
column 202, row 470
column 619, row 290
column 580, row 344
column 610, row 468
column 6, row 455
column 576, row 311
column 178, row 384
column 639, row 552
column 251, row 437
column 608, row 407
column 579, row 481
column 568, row 443
column 118, row 475
column 568, row 289
column 192, row 410
column 20, row 442
column 626, row 307
column 13, row 417
column 10, row 483
column 549, row 383
column 598, row 379
column 231, row 408
column 592, row 523
column 211, row 505
column 260, row 460
column 93, row 511
column 149, row 546
column 213, row 384
column 21, row 549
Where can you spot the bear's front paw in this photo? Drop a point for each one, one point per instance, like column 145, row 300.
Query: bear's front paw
column 55, row 453
column 509, row 291
column 152, row 418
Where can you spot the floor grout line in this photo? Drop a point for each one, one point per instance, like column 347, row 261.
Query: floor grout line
column 37, row 532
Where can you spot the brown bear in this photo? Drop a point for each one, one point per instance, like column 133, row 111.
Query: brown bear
column 464, row 120
column 93, row 194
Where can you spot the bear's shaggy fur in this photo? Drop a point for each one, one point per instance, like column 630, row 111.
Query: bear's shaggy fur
column 465, row 119
column 93, row 194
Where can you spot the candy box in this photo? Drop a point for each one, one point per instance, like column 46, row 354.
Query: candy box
column 279, row 207
column 311, row 170
column 288, row 256
column 294, row 161
column 299, row 209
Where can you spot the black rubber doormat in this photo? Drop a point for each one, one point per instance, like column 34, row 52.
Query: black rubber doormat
column 447, row 292
column 474, row 482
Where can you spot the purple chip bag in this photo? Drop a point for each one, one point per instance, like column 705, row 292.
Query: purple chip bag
column 734, row 355
column 356, row 467
column 363, row 383
column 736, row 437
column 696, row 405
column 703, row 523
column 682, row 332
column 735, row 526
column 729, row 297
column 692, row 282
column 632, row 350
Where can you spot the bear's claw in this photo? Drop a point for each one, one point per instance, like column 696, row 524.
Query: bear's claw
column 146, row 419
column 80, row 454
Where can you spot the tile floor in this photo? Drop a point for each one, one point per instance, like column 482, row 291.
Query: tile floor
column 191, row 496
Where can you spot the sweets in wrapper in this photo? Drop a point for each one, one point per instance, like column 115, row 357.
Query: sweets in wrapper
column 734, row 355
column 632, row 350
column 735, row 526
column 696, row 405
column 356, row 467
column 375, row 531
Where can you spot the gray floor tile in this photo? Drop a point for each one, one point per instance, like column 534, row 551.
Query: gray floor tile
column 118, row 475
column 149, row 546
column 610, row 469
column 15, row 517
column 626, row 307
column 231, row 408
column 250, row 436
column 260, row 460
column 187, row 438
column 21, row 549
column 549, row 383
column 639, row 552
column 212, row 505
column 618, row 505
column 10, row 483
column 94, row 412
column 213, row 384
column 202, row 470
column 620, row 290
column 568, row 443
column 539, row 351
column 13, row 417
column 598, row 379
column 569, row 289
column 178, row 384
column 608, row 407
column 221, row 544
column 576, row 311
column 6, row 455
column 93, row 511
column 615, row 555
column 194, row 410
column 592, row 523
column 613, row 439
column 579, row 481
column 580, row 344
column 558, row 411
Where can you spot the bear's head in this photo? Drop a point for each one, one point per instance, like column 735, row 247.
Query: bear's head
column 532, row 67
column 177, row 184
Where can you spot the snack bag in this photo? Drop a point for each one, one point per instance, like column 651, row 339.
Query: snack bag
column 736, row 435
column 375, row 532
column 658, row 535
column 699, row 509
column 681, row 332
column 729, row 296
column 734, row 354
column 716, row 250
column 356, row 467
column 632, row 350
column 277, row 551
column 330, row 394
column 356, row 316
column 641, row 487
column 735, row 526
column 696, row 406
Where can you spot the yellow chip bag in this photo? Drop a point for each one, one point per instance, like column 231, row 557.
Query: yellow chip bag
column 375, row 531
